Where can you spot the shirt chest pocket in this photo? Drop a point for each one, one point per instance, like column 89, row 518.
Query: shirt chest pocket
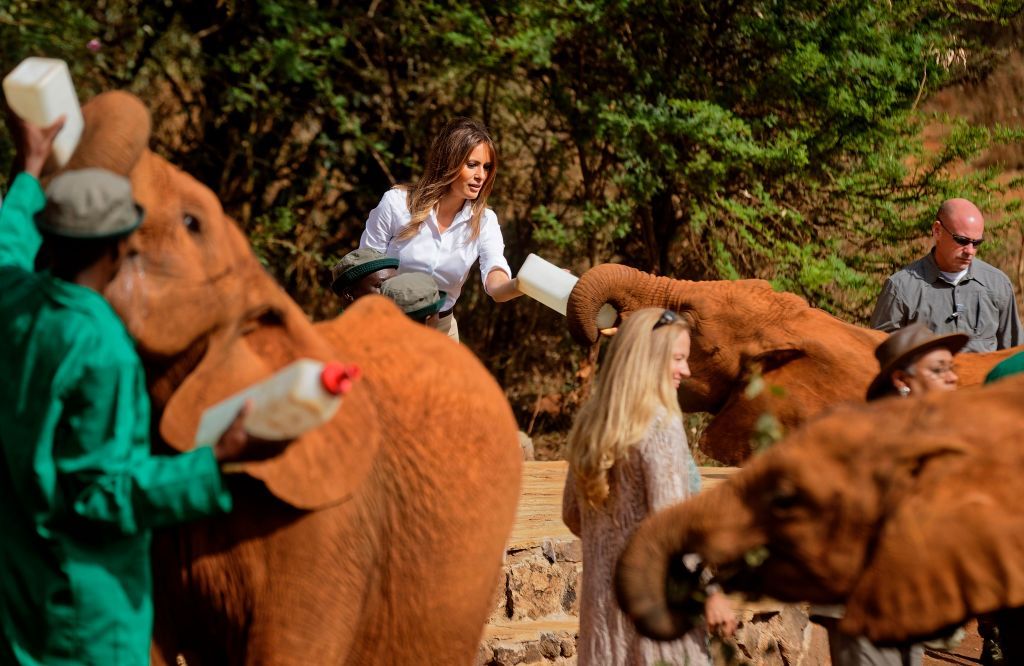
column 983, row 318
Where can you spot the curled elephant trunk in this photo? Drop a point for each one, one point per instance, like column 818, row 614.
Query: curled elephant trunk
column 116, row 133
column 651, row 567
column 661, row 577
column 625, row 288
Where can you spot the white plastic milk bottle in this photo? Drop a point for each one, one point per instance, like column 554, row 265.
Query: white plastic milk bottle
column 39, row 90
column 298, row 398
column 543, row 281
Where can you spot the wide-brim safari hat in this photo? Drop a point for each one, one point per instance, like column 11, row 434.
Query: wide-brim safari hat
column 416, row 293
column 356, row 265
column 904, row 344
column 89, row 204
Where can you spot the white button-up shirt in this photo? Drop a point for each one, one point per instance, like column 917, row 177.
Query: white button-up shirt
column 448, row 256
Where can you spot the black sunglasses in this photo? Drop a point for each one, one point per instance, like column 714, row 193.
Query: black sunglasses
column 962, row 240
column 667, row 317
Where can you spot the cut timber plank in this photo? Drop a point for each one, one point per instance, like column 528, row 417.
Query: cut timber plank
column 539, row 515
column 530, row 630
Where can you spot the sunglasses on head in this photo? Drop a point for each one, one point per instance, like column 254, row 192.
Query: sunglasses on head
column 962, row 240
column 667, row 317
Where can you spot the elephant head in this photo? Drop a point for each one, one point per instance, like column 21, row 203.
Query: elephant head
column 207, row 318
column 741, row 329
column 374, row 538
column 903, row 510
column 808, row 359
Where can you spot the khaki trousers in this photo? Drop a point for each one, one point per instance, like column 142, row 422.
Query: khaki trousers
column 449, row 327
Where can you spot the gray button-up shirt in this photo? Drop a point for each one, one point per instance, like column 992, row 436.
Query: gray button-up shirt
column 981, row 305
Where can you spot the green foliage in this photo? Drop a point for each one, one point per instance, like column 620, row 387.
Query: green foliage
column 767, row 431
column 701, row 139
column 756, row 138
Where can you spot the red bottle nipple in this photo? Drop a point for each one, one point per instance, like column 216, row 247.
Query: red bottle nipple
column 337, row 378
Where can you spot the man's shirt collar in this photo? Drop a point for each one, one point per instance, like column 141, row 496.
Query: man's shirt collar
column 931, row 273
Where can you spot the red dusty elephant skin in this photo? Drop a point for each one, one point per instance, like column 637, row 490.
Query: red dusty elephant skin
column 809, row 359
column 906, row 510
column 376, row 538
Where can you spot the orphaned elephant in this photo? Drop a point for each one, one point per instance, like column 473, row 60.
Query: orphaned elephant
column 807, row 358
column 378, row 537
column 906, row 511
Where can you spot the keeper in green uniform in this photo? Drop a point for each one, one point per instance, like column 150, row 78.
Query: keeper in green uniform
column 79, row 489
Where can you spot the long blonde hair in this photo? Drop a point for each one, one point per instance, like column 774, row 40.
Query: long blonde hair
column 448, row 154
column 632, row 384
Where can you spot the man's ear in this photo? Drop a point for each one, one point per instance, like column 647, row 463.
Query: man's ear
column 116, row 253
column 120, row 248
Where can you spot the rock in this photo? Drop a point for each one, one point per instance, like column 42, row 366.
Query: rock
column 548, row 548
column 526, row 444
column 778, row 636
column 506, row 656
column 517, row 653
column 550, row 646
column 540, row 582
column 569, row 551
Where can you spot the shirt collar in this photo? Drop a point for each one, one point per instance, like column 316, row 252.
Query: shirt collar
column 932, row 273
column 464, row 215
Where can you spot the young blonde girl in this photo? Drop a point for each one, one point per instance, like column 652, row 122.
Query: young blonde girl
column 628, row 458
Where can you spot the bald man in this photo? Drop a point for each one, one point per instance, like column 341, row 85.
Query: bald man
column 950, row 289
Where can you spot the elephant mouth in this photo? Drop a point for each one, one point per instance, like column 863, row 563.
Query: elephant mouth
column 698, row 395
column 666, row 596
column 688, row 578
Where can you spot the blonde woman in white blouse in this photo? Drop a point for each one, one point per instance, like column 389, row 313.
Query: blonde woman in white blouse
column 441, row 224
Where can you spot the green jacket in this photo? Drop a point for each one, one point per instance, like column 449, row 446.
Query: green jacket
column 79, row 489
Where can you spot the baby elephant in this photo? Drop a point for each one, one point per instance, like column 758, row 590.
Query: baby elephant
column 903, row 510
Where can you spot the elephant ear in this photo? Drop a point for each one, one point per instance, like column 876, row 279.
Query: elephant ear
column 116, row 132
column 953, row 548
column 322, row 467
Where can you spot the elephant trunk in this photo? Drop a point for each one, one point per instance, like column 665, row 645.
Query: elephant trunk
column 661, row 576
column 625, row 288
column 116, row 132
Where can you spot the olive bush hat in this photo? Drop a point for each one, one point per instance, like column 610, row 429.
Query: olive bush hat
column 904, row 344
column 415, row 293
column 356, row 265
column 89, row 203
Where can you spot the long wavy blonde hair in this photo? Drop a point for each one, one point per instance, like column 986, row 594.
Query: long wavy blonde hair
column 633, row 382
column 448, row 154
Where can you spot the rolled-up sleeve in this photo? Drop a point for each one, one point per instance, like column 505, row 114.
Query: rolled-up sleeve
column 380, row 223
column 491, row 247
column 104, row 468
column 890, row 313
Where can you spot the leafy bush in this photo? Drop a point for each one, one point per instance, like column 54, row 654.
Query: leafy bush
column 704, row 140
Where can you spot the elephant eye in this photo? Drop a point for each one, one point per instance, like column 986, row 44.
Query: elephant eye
column 191, row 223
column 783, row 499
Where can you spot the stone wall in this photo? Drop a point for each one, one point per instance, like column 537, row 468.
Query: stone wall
column 535, row 621
column 536, row 615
